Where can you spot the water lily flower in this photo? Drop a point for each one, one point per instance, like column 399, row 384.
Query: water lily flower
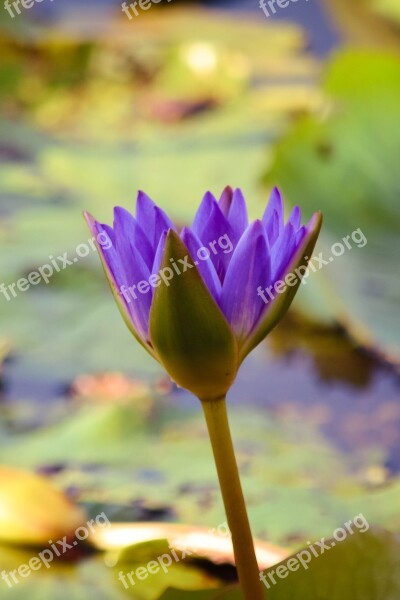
column 200, row 318
column 196, row 301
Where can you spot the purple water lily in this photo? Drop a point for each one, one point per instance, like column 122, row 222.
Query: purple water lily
column 196, row 301
column 262, row 252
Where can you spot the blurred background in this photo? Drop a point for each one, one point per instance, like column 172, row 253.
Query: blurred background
column 182, row 98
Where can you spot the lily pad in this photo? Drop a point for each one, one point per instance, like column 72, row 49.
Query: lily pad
column 346, row 165
column 365, row 566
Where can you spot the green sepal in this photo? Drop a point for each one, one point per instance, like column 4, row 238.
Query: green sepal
column 188, row 331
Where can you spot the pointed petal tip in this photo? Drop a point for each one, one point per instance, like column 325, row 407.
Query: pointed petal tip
column 237, row 193
column 228, row 189
column 311, row 232
column 169, row 238
column 120, row 212
column 91, row 222
column 142, row 194
column 257, row 227
column 171, row 233
column 143, row 199
column 275, row 204
column 295, row 217
column 225, row 200
column 185, row 230
column 315, row 222
column 186, row 234
column 89, row 218
column 209, row 196
column 276, row 193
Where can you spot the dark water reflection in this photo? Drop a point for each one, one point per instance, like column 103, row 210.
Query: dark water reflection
column 312, row 374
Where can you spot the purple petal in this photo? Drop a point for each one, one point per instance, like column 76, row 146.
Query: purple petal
column 152, row 219
column 272, row 228
column 300, row 235
column 132, row 231
column 135, row 271
column 109, row 254
column 159, row 253
column 280, row 302
column 275, row 204
column 203, row 214
column 282, row 251
column 225, row 200
column 305, row 229
column 162, row 223
column 109, row 233
column 215, row 228
column 249, row 269
column 237, row 216
column 114, row 271
column 233, row 206
column 295, row 218
column 145, row 214
column 205, row 267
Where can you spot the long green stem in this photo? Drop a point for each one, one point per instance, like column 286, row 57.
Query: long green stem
column 232, row 494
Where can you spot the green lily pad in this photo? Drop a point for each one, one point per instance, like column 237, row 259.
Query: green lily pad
column 147, row 569
column 365, row 566
column 85, row 576
column 62, row 580
column 346, row 165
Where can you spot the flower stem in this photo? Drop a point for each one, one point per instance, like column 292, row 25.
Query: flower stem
column 232, row 494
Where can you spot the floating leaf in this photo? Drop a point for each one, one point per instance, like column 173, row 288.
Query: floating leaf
column 24, row 514
column 346, row 165
column 365, row 566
